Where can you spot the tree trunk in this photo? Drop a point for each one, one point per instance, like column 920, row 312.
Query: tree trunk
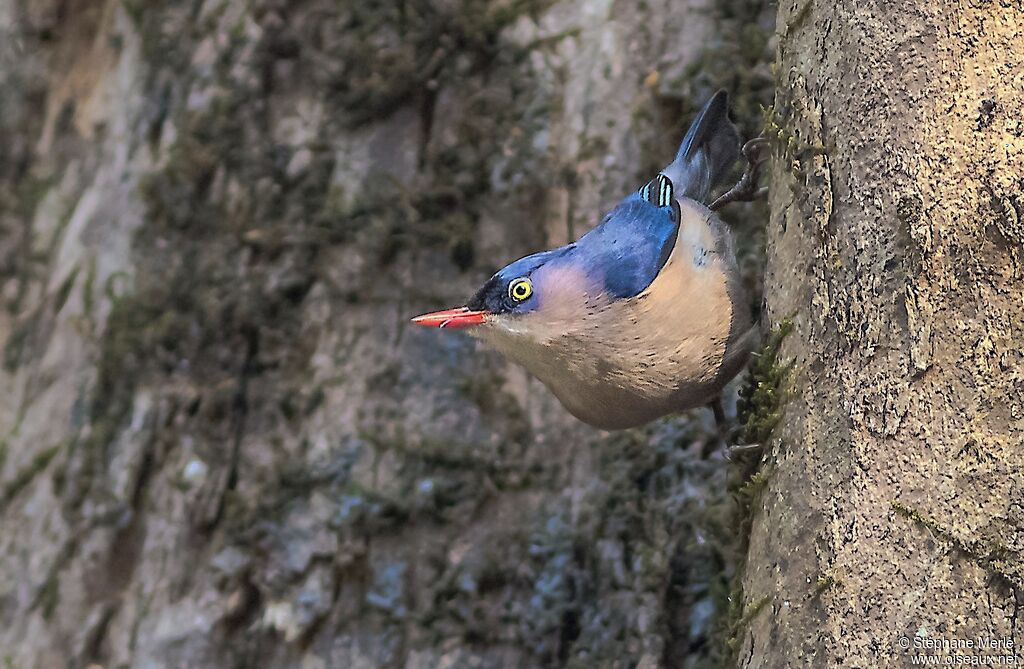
column 892, row 510
column 221, row 444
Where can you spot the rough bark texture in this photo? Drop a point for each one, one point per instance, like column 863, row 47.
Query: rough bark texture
column 894, row 494
column 220, row 442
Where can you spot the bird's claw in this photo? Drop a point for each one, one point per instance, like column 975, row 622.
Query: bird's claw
column 746, row 189
column 755, row 150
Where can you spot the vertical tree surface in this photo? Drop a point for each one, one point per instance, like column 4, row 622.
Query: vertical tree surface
column 221, row 444
column 894, row 495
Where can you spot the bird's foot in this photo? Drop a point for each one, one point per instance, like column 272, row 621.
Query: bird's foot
column 743, row 450
column 721, row 425
column 746, row 189
column 721, row 422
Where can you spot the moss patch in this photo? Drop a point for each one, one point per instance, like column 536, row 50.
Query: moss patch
column 49, row 596
column 27, row 474
column 761, row 404
column 783, row 140
column 414, row 48
column 764, row 395
column 742, row 617
column 825, row 583
column 992, row 555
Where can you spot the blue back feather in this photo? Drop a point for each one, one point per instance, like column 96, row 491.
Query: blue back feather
column 628, row 249
column 623, row 255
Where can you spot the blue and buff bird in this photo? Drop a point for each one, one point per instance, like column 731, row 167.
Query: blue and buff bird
column 644, row 315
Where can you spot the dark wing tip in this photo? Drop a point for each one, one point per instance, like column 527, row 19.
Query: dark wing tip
column 707, row 121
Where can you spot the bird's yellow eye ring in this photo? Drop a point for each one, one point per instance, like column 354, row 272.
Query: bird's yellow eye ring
column 520, row 289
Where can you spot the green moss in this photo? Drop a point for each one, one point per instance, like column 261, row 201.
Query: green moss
column 172, row 194
column 64, row 291
column 386, row 219
column 764, row 394
column 753, row 609
column 733, row 616
column 754, row 485
column 826, row 582
column 143, row 331
column 49, row 596
column 774, row 128
column 742, row 617
column 189, row 305
column 27, row 474
column 134, row 9
column 88, row 289
column 421, row 56
column 992, row 555
column 778, row 127
column 762, row 399
column 551, row 40
column 17, row 342
column 136, row 329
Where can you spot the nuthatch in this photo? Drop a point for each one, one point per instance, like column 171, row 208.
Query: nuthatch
column 645, row 314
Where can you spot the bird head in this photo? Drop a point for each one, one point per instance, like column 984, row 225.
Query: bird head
column 519, row 297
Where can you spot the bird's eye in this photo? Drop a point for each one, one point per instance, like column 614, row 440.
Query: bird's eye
column 520, row 289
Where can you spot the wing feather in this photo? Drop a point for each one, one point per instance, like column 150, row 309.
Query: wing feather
column 633, row 242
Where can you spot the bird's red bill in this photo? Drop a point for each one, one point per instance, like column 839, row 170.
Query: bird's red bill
column 460, row 317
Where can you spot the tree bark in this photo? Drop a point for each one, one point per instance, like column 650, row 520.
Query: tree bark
column 895, row 481
column 222, row 445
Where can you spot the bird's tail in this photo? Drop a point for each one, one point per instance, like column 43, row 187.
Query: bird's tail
column 711, row 146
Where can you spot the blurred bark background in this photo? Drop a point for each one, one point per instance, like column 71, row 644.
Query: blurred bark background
column 220, row 443
column 892, row 497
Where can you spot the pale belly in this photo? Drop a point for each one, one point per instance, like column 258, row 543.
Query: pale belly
column 616, row 407
column 620, row 389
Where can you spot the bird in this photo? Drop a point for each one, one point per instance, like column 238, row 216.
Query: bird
column 643, row 316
